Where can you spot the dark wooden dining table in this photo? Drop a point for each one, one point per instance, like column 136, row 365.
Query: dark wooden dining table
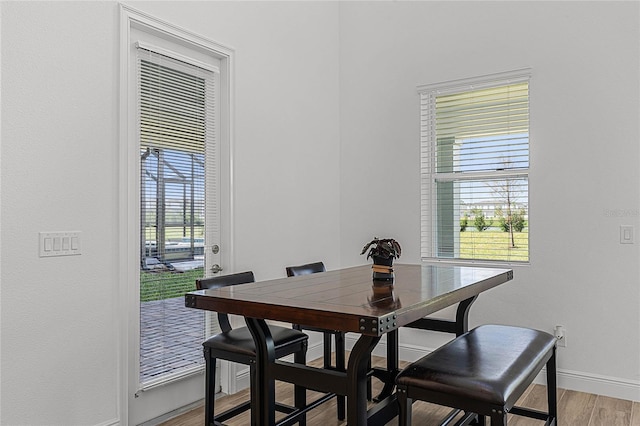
column 348, row 300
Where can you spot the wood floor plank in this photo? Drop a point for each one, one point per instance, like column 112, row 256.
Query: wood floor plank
column 611, row 412
column 575, row 408
column 190, row 418
column 635, row 414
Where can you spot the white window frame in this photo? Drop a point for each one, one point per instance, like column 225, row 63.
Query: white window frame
column 428, row 139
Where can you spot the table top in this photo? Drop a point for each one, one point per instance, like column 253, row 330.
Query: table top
column 349, row 300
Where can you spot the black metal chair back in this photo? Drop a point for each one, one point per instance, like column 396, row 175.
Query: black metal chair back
column 309, row 268
column 225, row 281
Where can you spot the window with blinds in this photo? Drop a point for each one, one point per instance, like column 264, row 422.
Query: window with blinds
column 176, row 131
column 474, row 169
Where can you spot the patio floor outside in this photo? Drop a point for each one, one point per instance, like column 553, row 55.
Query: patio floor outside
column 171, row 337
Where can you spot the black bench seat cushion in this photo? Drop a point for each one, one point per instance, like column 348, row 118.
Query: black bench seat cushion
column 490, row 364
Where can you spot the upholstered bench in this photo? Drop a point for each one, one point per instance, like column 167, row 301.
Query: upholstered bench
column 482, row 372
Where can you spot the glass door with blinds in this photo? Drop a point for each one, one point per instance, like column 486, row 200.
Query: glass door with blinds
column 177, row 149
column 176, row 208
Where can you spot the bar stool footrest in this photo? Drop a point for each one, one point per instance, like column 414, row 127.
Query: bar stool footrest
column 295, row 414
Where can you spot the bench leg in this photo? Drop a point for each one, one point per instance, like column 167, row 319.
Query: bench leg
column 499, row 419
column 404, row 414
column 552, row 399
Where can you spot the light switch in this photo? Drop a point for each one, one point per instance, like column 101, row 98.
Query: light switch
column 626, row 234
column 60, row 244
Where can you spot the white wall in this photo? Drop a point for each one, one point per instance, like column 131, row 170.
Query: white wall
column 584, row 158
column 60, row 86
column 59, row 150
column 325, row 104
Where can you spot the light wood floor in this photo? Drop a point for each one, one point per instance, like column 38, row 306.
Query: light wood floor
column 574, row 409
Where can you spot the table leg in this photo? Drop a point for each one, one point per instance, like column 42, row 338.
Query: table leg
column 459, row 326
column 357, row 369
column 462, row 315
column 264, row 411
column 388, row 377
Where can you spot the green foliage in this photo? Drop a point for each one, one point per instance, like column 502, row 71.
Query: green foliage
column 480, row 221
column 167, row 284
column 464, row 222
column 504, row 224
column 518, row 221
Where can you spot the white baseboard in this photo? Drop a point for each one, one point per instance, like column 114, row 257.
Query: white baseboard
column 614, row 387
column 112, row 422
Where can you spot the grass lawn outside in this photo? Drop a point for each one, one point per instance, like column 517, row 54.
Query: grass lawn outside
column 494, row 245
column 167, row 284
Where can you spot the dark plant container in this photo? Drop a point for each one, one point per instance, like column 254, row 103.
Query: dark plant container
column 383, row 276
column 378, row 260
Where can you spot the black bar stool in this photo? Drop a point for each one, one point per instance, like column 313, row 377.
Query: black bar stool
column 237, row 345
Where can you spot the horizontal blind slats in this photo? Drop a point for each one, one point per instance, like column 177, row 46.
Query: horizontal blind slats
column 176, row 122
column 474, row 162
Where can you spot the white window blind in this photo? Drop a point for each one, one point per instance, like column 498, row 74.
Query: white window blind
column 474, row 169
column 177, row 144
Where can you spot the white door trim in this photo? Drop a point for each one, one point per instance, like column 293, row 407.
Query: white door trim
column 128, row 182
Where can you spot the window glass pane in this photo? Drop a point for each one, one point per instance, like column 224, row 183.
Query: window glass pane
column 475, row 165
column 485, row 129
column 173, row 136
column 483, row 219
column 492, row 153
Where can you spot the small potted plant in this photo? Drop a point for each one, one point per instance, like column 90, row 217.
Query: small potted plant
column 382, row 251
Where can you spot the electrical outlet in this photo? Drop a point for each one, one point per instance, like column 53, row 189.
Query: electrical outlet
column 561, row 336
column 626, row 234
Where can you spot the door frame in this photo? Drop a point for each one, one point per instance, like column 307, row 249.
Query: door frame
column 128, row 237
